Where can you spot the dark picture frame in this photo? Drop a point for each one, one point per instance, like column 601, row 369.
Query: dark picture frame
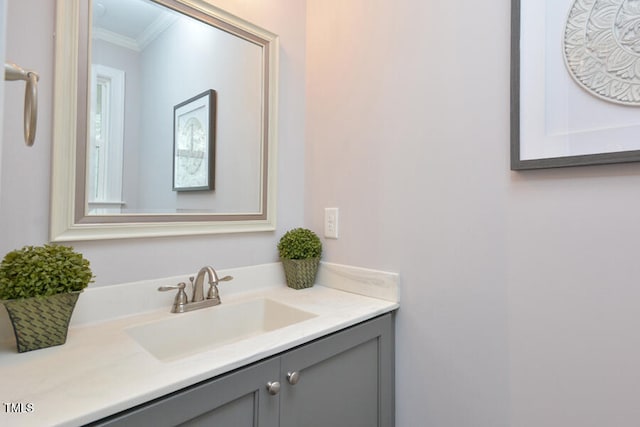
column 581, row 97
column 194, row 136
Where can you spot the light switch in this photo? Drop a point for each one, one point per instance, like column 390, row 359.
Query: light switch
column 331, row 223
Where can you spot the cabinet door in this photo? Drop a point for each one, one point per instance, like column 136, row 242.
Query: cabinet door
column 345, row 380
column 238, row 399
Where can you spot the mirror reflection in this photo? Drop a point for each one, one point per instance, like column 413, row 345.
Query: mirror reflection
column 175, row 122
column 166, row 121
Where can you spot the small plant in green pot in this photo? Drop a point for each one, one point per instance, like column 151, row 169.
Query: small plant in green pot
column 300, row 251
column 39, row 287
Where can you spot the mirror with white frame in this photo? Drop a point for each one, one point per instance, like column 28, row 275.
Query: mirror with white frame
column 165, row 121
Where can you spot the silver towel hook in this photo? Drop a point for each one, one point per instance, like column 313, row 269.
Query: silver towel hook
column 14, row 72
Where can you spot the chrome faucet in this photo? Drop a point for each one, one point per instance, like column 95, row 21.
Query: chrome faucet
column 181, row 303
column 198, row 286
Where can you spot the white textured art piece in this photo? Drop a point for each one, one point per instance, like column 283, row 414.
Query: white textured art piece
column 602, row 48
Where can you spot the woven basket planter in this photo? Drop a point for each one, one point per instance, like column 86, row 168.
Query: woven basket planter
column 300, row 273
column 41, row 322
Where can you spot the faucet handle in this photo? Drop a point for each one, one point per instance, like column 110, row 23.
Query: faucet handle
column 179, row 286
column 213, row 287
column 181, row 298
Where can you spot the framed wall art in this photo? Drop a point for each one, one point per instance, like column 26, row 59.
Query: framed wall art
column 575, row 83
column 194, row 143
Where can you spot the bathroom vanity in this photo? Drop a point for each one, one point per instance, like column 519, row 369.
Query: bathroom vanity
column 314, row 357
column 344, row 379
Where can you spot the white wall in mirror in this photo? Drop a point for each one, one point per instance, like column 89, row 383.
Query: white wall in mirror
column 165, row 69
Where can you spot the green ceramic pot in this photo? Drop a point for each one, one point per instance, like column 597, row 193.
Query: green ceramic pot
column 41, row 322
column 300, row 273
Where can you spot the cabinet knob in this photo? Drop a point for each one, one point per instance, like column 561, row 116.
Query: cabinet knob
column 293, row 377
column 273, row 387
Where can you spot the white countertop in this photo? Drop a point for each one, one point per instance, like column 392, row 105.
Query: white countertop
column 101, row 370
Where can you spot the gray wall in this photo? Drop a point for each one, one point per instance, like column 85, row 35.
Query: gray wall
column 519, row 290
column 3, row 14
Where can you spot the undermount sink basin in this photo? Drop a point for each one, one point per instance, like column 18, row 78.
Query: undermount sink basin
column 188, row 333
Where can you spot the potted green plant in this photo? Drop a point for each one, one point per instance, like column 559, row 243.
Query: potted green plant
column 39, row 287
column 300, row 250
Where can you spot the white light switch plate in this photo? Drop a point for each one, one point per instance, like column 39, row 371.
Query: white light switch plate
column 331, row 223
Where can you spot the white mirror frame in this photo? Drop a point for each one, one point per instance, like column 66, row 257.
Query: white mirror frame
column 64, row 226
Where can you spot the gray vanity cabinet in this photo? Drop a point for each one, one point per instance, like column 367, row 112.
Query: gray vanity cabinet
column 238, row 399
column 342, row 380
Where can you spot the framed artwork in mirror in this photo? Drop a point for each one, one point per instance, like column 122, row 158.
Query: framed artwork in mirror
column 575, row 83
column 194, row 143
